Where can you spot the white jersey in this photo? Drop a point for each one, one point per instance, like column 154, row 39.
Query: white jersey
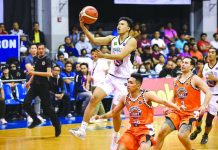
column 212, row 84
column 122, row 68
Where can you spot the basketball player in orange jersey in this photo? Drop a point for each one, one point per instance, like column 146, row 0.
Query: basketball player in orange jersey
column 210, row 75
column 116, row 79
column 186, row 95
column 139, row 104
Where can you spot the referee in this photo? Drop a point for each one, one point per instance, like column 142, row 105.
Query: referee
column 40, row 87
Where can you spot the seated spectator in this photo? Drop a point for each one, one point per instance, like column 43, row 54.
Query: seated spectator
column 7, row 76
column 136, row 32
column 82, row 87
column 203, row 44
column 180, row 43
column 191, row 42
column 57, row 92
column 172, row 51
column 84, row 58
column 186, row 32
column 69, row 47
column 143, row 42
column 157, row 40
column 160, row 64
column 177, row 70
column 2, row 105
column 141, row 69
column 105, row 49
column 196, row 53
column 167, row 70
column 199, row 66
column 186, row 52
column 74, row 35
column 146, row 54
column 170, row 34
column 155, row 54
column 148, row 70
column 2, row 29
column 82, row 44
column 36, row 36
column 100, row 31
column 60, row 61
column 16, row 29
column 214, row 43
column 16, row 72
column 68, row 72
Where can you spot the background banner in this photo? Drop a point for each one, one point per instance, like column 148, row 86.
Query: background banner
column 9, row 47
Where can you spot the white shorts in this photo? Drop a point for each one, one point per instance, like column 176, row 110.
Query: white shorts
column 115, row 86
column 213, row 105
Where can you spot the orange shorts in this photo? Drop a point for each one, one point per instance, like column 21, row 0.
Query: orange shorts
column 179, row 119
column 133, row 137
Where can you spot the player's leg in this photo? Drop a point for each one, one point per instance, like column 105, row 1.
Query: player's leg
column 183, row 135
column 198, row 128
column 97, row 96
column 127, row 141
column 169, row 125
column 208, row 127
column 120, row 89
column 145, row 142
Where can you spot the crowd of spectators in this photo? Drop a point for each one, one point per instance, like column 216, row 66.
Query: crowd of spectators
column 158, row 54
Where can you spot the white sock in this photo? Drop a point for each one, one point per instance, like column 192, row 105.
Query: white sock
column 84, row 125
column 115, row 133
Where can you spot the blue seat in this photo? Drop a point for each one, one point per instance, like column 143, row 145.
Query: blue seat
column 20, row 92
column 9, row 100
column 70, row 91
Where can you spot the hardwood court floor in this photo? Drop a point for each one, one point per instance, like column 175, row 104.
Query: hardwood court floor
column 98, row 138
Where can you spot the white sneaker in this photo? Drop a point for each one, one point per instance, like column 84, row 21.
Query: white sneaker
column 115, row 139
column 78, row 133
column 3, row 121
column 40, row 118
column 29, row 119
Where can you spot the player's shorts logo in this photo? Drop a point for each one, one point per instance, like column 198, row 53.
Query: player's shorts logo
column 211, row 83
column 118, row 62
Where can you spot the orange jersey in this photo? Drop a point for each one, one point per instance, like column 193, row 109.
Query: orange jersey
column 140, row 110
column 187, row 95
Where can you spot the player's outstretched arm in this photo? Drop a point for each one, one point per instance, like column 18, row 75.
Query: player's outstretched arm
column 129, row 47
column 97, row 41
column 114, row 112
column 152, row 97
column 198, row 82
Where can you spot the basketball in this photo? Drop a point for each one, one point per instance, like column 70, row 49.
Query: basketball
column 89, row 15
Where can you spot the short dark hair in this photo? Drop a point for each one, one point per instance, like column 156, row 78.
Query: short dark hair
column 35, row 22
column 214, row 49
column 85, row 64
column 128, row 20
column 56, row 66
column 203, row 34
column 94, row 50
column 138, row 77
column 68, row 63
column 40, row 44
column 214, row 35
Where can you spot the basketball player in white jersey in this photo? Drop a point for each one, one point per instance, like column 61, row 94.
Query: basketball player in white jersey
column 119, row 71
column 210, row 76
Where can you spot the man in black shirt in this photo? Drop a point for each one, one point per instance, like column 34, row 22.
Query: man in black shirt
column 40, row 87
column 57, row 92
